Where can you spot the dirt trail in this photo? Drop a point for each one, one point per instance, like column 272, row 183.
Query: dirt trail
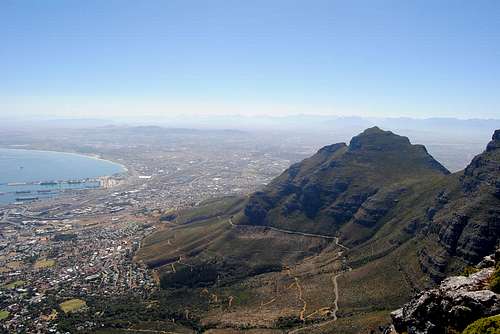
column 336, row 293
column 296, row 283
column 179, row 261
column 268, row 303
column 334, row 281
column 149, row 331
column 285, row 231
column 336, row 296
column 301, row 298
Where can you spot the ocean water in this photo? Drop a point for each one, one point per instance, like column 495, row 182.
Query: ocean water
column 55, row 168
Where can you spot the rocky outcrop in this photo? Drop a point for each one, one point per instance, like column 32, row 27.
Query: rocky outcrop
column 494, row 144
column 377, row 206
column 464, row 220
column 457, row 302
column 483, row 173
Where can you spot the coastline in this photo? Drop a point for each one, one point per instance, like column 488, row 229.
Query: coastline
column 33, row 189
column 125, row 168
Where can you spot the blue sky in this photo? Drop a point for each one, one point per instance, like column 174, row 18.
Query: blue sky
column 274, row 57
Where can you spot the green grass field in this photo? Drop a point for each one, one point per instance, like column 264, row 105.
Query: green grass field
column 15, row 284
column 72, row 305
column 4, row 315
column 45, row 263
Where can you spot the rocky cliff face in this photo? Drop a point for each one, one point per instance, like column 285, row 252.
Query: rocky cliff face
column 353, row 190
column 483, row 173
column 457, row 302
column 356, row 183
column 464, row 221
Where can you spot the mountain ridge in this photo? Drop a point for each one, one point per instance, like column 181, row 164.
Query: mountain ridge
column 395, row 222
column 331, row 186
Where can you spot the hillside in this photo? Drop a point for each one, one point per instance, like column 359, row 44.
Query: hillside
column 334, row 243
column 344, row 185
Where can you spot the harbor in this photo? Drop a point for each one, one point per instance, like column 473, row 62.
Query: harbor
column 55, row 183
column 21, row 192
column 30, row 175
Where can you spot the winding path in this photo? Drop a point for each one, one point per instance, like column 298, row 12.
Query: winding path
column 336, row 293
column 289, row 232
column 334, row 278
column 148, row 331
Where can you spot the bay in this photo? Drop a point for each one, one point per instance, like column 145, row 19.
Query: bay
column 40, row 174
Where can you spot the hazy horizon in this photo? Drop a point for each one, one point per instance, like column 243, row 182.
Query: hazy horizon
column 123, row 59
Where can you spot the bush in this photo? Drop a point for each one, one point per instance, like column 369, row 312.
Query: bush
column 495, row 280
column 489, row 325
column 288, row 322
column 191, row 277
column 168, row 217
column 65, row 237
column 469, row 270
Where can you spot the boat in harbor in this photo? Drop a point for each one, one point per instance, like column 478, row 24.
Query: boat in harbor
column 26, row 199
column 16, row 183
column 49, row 183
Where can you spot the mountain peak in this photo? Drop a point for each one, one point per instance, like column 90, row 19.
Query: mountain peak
column 495, row 142
column 331, row 186
column 375, row 138
column 374, row 130
column 496, row 135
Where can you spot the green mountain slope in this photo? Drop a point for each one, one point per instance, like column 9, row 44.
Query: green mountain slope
column 344, row 185
column 334, row 243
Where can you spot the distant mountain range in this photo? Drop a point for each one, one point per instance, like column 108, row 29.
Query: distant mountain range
column 334, row 243
column 452, row 141
column 339, row 124
column 283, row 123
